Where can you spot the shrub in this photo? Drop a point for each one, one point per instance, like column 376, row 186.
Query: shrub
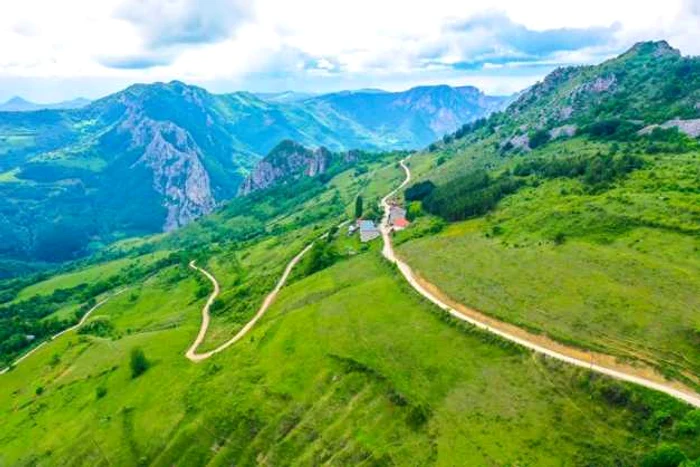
column 666, row 455
column 100, row 392
column 559, row 238
column 611, row 129
column 101, row 327
column 413, row 210
column 217, row 306
column 358, row 207
column 690, row 425
column 138, row 362
column 321, row 256
column 39, row 390
column 201, row 292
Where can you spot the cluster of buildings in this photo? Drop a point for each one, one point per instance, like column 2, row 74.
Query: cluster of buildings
column 369, row 230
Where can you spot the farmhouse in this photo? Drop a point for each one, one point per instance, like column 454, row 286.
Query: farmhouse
column 396, row 212
column 397, row 217
column 400, row 224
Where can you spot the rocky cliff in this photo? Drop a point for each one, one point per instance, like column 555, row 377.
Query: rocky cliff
column 291, row 160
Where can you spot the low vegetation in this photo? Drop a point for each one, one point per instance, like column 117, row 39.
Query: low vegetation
column 349, row 366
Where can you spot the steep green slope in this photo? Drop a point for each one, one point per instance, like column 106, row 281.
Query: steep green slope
column 349, row 367
column 616, row 271
column 590, row 238
column 274, row 220
column 650, row 83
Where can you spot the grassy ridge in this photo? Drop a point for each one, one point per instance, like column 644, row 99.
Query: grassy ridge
column 349, row 367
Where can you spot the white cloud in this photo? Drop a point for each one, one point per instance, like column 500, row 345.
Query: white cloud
column 318, row 43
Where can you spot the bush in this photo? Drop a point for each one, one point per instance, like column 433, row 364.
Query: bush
column 138, row 362
column 39, row 390
column 217, row 306
column 414, row 210
column 100, row 392
column 101, row 327
column 321, row 256
column 559, row 238
column 611, row 129
column 666, row 455
column 690, row 425
column 358, row 207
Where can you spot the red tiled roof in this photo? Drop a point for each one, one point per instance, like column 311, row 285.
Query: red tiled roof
column 401, row 222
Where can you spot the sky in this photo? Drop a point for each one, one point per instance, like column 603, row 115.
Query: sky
column 57, row 50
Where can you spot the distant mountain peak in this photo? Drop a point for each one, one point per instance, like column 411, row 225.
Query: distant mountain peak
column 20, row 104
column 17, row 100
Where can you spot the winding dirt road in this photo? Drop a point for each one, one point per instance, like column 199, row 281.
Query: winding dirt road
column 192, row 351
column 599, row 363
column 55, row 336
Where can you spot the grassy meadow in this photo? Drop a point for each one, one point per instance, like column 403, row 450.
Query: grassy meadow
column 616, row 270
column 348, row 367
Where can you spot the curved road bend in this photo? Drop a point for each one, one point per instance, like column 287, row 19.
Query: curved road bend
column 524, row 338
column 192, row 351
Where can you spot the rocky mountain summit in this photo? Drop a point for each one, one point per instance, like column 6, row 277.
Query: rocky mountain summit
column 650, row 85
column 289, row 161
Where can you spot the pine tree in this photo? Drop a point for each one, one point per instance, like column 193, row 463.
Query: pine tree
column 358, row 207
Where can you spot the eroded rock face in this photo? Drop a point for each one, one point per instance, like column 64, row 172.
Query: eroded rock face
column 600, row 84
column 292, row 160
column 288, row 159
column 562, row 131
column 176, row 163
column 689, row 127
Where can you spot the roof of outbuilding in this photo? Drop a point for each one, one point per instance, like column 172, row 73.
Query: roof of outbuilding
column 367, row 225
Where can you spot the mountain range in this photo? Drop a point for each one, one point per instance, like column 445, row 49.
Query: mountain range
column 154, row 157
column 19, row 104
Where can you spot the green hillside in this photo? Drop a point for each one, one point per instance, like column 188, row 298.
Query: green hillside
column 591, row 238
column 349, row 367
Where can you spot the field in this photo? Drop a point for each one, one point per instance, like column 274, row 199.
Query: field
column 617, row 270
column 348, row 367
column 90, row 274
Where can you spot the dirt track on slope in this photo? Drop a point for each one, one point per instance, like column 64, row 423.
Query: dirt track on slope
column 597, row 362
column 192, row 351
